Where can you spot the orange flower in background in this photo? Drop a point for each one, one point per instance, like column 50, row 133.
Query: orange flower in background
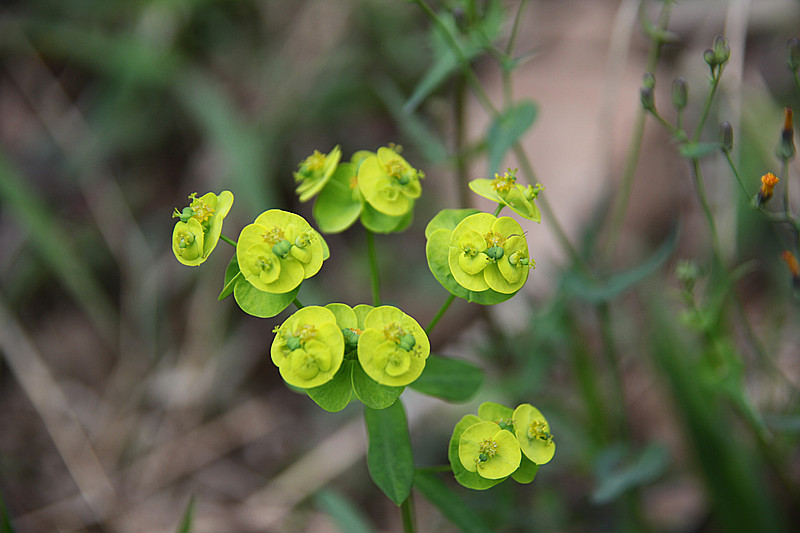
column 768, row 182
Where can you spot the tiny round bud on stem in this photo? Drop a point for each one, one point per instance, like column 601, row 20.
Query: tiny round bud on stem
column 679, row 95
column 648, row 99
column 648, row 80
column 721, row 49
column 726, row 136
column 793, row 54
column 786, row 149
column 711, row 58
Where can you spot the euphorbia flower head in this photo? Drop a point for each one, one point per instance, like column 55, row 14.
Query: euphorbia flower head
column 278, row 251
column 315, row 171
column 197, row 232
column 308, row 348
column 533, row 434
column 389, row 184
column 506, row 191
column 487, row 252
column 490, row 451
column 392, row 348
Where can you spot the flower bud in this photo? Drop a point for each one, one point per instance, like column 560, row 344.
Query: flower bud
column 768, row 182
column 721, row 50
column 794, row 267
column 793, row 54
column 648, row 98
column 786, row 149
column 726, row 136
column 649, row 80
column 679, row 93
column 711, row 58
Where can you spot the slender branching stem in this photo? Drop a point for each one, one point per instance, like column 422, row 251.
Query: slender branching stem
column 407, row 511
column 707, row 106
column 373, row 269
column 297, row 303
column 229, row 241
column 440, row 313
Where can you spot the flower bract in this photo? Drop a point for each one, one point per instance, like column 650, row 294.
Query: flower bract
column 392, row 348
column 486, row 252
column 506, row 191
column 533, row 434
column 388, row 183
column 278, row 251
column 308, row 347
column 315, row 171
column 488, row 450
column 197, row 232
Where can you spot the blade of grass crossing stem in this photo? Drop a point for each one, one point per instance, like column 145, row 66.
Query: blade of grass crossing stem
column 54, row 247
column 448, row 502
column 389, row 458
column 188, row 517
column 5, row 519
column 346, row 516
column 740, row 501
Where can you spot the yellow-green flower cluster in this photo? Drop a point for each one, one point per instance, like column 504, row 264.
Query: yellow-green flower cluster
column 278, row 251
column 378, row 187
column 487, row 252
column 310, row 346
column 498, row 443
column 506, row 191
column 197, row 232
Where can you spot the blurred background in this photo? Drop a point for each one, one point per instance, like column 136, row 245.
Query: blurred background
column 126, row 389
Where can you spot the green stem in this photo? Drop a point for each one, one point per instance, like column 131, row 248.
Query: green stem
column 460, row 139
column 373, row 268
column 440, row 313
column 407, row 511
column 635, row 147
column 612, row 358
column 707, row 106
column 229, row 241
column 499, row 208
column 787, row 206
column 738, row 177
column 297, row 303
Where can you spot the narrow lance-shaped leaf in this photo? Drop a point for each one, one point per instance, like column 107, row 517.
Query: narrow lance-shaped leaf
column 507, row 129
column 389, row 458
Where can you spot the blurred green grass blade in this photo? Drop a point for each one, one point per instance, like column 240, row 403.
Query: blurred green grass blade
column 389, row 458
column 5, row 519
column 244, row 148
column 410, row 125
column 448, row 502
column 740, row 500
column 507, row 128
column 53, row 245
column 618, row 472
column 345, row 515
column 188, row 517
column 613, row 286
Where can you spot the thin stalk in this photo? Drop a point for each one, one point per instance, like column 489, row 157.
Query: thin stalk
column 229, row 241
column 697, row 177
column 297, row 303
column 736, row 173
column 440, row 313
column 407, row 511
column 635, row 148
column 787, row 207
column 460, row 134
column 612, row 358
column 499, row 208
column 707, row 106
column 373, row 269
column 796, row 78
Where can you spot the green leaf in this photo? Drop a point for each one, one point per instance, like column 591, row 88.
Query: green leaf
column 389, row 458
column 188, row 516
column 471, row 480
column 617, row 473
column 380, row 223
column 449, row 503
column 370, row 392
column 447, row 219
column 337, row 207
column 694, row 150
column 436, row 251
column 449, row 379
column 232, row 275
column 507, row 129
column 526, row 471
column 259, row 303
column 613, row 286
column 334, row 395
column 347, row 517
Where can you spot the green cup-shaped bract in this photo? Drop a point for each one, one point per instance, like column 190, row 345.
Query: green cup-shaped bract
column 197, row 232
column 492, row 452
column 486, row 252
column 388, row 183
column 278, row 251
column 315, row 171
column 308, row 348
column 506, row 191
column 533, row 434
column 392, row 348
